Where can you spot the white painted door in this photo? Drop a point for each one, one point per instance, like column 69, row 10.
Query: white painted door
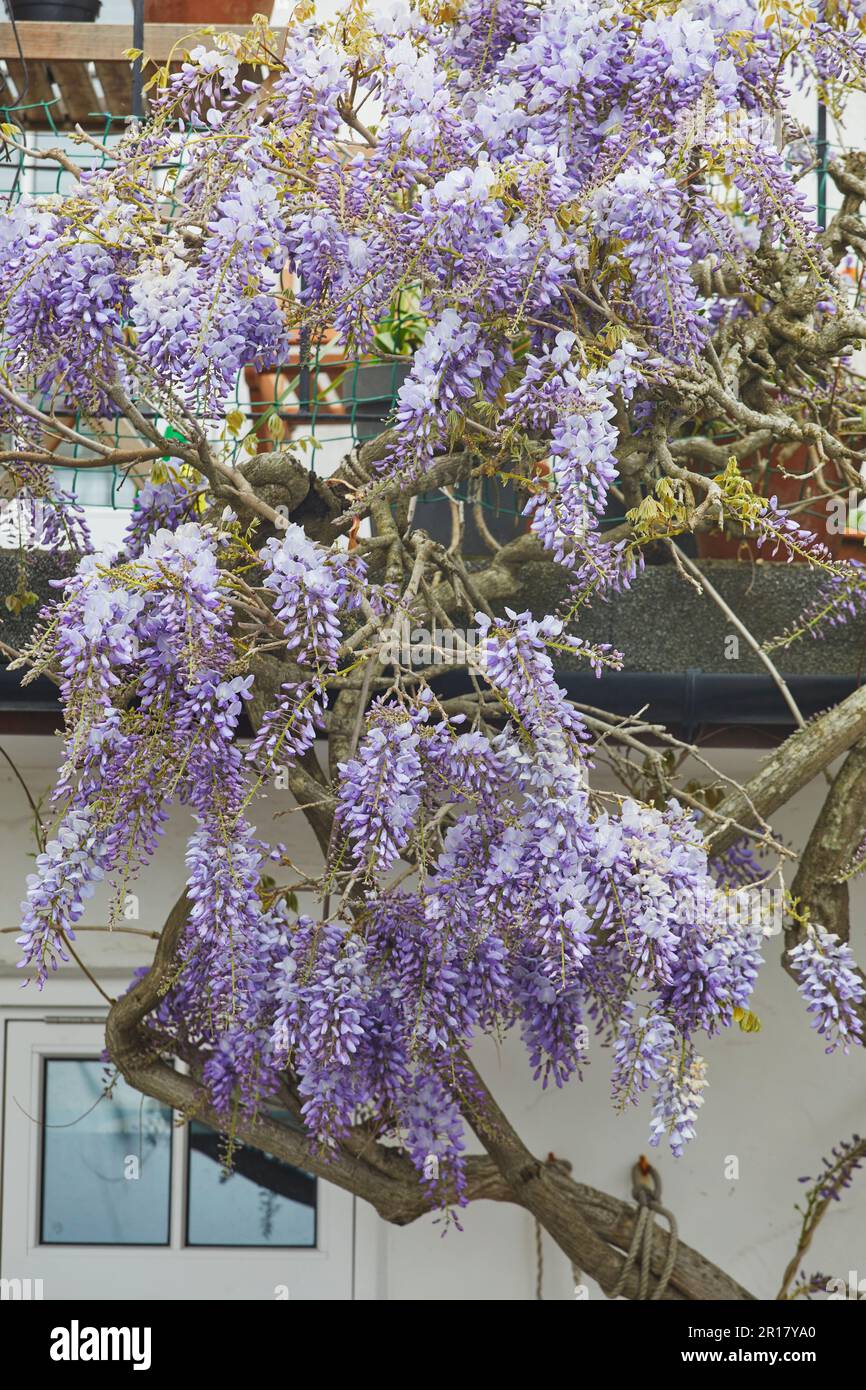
column 105, row 1196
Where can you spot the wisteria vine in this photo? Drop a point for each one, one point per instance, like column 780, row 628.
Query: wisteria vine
column 562, row 189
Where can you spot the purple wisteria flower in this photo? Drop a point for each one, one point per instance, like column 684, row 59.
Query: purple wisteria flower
column 67, row 874
column 537, row 182
column 831, row 986
column 310, row 585
column 678, row 1100
column 380, row 793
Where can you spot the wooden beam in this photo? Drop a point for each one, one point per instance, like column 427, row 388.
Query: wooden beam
column 116, row 79
column 34, row 86
column 78, row 94
column 106, row 42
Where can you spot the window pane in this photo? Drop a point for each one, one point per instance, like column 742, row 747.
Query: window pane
column 106, row 1160
column 261, row 1202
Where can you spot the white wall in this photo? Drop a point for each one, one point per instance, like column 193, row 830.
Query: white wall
column 774, row 1100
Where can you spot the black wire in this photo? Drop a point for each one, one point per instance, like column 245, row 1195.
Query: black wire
column 19, row 100
column 21, row 95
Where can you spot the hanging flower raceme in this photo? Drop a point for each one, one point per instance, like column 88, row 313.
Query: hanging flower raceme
column 831, row 986
column 63, row 321
column 380, row 793
column 322, row 992
column 780, row 532
column 445, row 370
column 421, row 122
column 158, row 507
column 644, row 210
column 357, row 274
column 644, row 1045
column 157, row 627
column 201, row 89
column 312, row 84
column 578, row 410
column 67, row 873
column 514, row 657
column 310, row 585
column 289, row 729
column 485, row 33
column 224, row 867
column 189, row 344
column 574, row 59
column 45, row 515
column 678, row 1100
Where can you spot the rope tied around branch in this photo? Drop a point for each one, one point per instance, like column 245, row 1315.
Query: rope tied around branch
column 646, row 1188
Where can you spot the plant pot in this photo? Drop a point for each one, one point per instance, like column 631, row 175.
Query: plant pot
column 852, row 546
column 229, row 14
column 56, row 11
column 331, row 389
column 782, row 474
column 369, row 391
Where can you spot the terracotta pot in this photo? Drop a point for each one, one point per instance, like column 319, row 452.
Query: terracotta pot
column 230, row 13
column 293, row 400
column 851, row 546
column 770, row 480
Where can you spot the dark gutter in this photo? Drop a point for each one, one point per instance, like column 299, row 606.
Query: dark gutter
column 693, row 700
column 678, row 666
column 697, row 699
column 689, row 700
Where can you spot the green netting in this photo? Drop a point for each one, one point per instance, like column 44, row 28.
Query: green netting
column 320, row 402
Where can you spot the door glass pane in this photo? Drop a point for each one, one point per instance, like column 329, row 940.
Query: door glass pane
column 106, row 1160
column 262, row 1201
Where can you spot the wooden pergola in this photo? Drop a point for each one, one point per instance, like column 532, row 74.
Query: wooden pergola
column 62, row 61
